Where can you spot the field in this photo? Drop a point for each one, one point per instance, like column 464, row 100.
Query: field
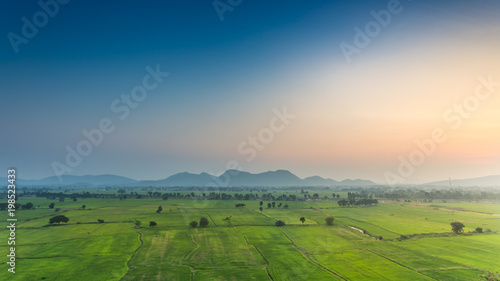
column 390, row 241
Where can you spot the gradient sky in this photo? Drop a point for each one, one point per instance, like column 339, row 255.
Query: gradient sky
column 352, row 120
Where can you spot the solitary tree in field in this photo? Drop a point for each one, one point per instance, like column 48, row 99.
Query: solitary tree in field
column 329, row 220
column 152, row 223
column 286, row 206
column 193, row 224
column 479, row 230
column 100, row 221
column 260, row 209
column 84, row 206
column 58, row 219
column 261, row 203
column 51, row 206
column 28, row 206
column 274, row 204
column 203, row 222
column 457, row 227
column 269, row 205
column 302, row 219
column 228, row 220
column 159, row 209
column 280, row 223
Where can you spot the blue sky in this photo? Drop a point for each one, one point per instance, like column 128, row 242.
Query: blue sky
column 226, row 77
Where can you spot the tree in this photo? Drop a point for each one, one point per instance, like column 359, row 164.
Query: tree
column 240, row 205
column 58, row 219
column 261, row 203
column 152, row 223
column 137, row 224
column 228, row 220
column 193, row 224
column 159, row 209
column 100, row 221
column 279, row 223
column 203, row 222
column 51, row 206
column 302, row 219
column 329, row 220
column 74, row 199
column 274, row 204
column 286, row 206
column 84, row 206
column 479, row 230
column 260, row 208
column 269, row 205
column 121, row 191
column 457, row 227
column 28, row 206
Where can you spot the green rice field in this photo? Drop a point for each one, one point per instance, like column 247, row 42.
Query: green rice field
column 390, row 241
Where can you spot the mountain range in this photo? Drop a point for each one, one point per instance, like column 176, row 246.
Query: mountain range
column 234, row 178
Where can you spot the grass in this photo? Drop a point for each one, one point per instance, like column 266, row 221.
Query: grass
column 251, row 248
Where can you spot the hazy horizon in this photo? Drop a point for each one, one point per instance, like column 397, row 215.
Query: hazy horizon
column 264, row 86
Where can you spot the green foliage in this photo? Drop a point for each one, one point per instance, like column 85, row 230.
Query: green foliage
column 329, row 220
column 58, row 219
column 302, row 219
column 51, row 206
column 279, row 223
column 28, row 206
column 152, row 223
column 193, row 224
column 203, row 222
column 228, row 220
column 100, row 221
column 457, row 227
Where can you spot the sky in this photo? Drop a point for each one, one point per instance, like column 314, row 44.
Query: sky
column 391, row 91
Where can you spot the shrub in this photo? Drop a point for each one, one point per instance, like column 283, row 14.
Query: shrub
column 203, row 222
column 280, row 223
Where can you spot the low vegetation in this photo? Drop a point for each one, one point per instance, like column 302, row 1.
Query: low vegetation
column 185, row 238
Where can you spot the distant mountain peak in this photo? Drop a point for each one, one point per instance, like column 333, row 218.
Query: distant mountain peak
column 231, row 177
